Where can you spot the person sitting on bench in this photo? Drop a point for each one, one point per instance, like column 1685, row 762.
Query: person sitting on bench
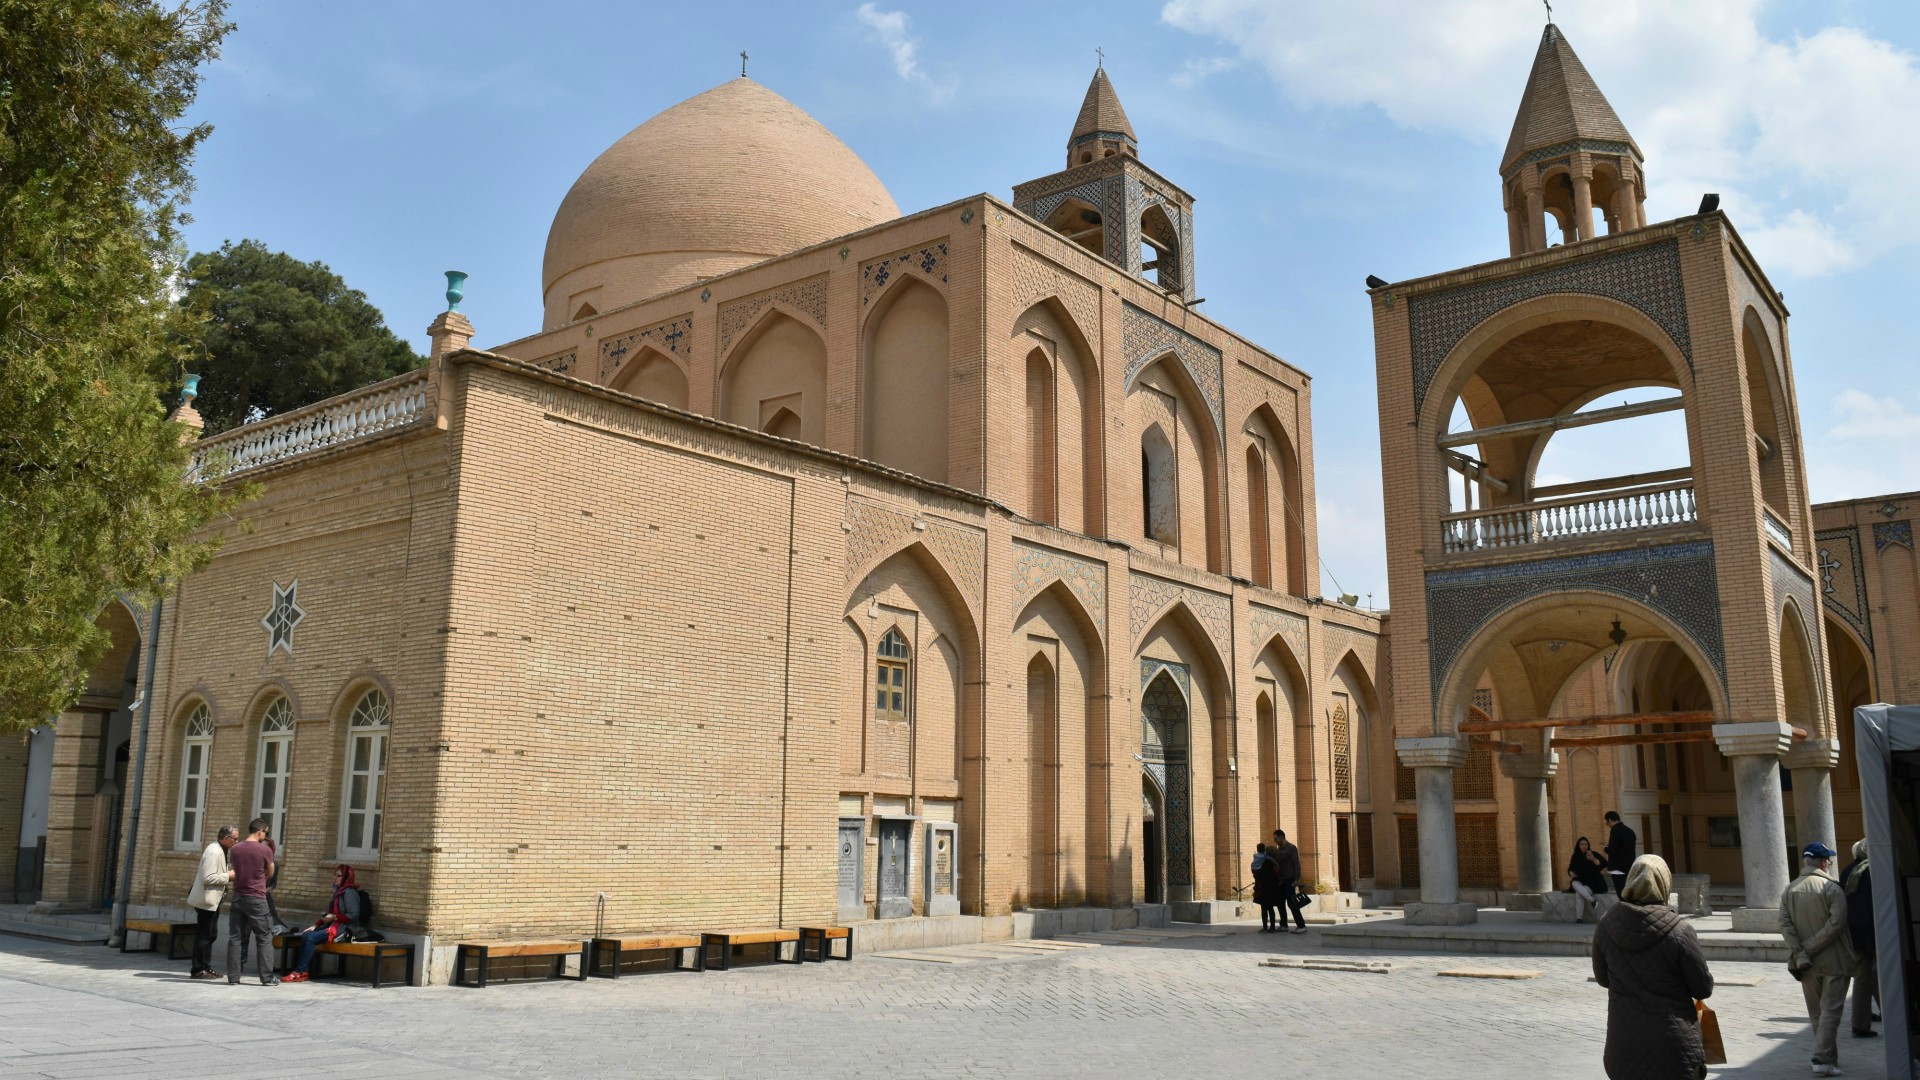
column 336, row 925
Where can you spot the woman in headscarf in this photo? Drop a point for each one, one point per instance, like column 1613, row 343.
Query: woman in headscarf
column 1649, row 960
column 1588, row 869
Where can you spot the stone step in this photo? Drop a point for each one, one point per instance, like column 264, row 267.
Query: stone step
column 55, row 929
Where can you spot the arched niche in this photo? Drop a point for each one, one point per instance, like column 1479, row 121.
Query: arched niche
column 1059, row 439
column 1276, row 528
column 780, row 365
column 907, row 380
column 1069, row 762
column 653, row 375
column 1187, row 448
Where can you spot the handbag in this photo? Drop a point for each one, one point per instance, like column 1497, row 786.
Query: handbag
column 1298, row 900
column 1710, row 1040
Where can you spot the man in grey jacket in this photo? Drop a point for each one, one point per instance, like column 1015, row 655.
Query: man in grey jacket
column 209, row 888
column 1813, row 919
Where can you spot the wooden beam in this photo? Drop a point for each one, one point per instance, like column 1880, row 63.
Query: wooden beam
column 1475, row 470
column 1478, row 727
column 1554, row 491
column 1496, row 744
column 1648, row 738
column 1557, row 423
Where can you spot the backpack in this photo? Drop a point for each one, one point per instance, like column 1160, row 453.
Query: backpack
column 366, row 906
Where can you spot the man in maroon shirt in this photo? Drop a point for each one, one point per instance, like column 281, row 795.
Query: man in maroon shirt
column 252, row 863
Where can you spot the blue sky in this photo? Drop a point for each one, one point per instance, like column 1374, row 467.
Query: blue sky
column 1324, row 142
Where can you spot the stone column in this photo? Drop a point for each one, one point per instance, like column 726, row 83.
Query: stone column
column 1536, row 214
column 1582, row 206
column 1755, row 749
column 1433, row 761
column 1533, row 835
column 1812, row 762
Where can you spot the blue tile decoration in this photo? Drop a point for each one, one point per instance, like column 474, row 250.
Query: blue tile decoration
column 1646, row 278
column 929, row 263
column 1892, row 532
column 1123, row 243
column 1568, row 149
column 1148, row 596
column 1843, row 579
column 1092, row 192
column 674, row 337
column 1035, row 568
column 1163, row 752
column 1677, row 580
column 1145, row 337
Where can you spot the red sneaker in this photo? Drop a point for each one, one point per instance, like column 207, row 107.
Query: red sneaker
column 294, row 976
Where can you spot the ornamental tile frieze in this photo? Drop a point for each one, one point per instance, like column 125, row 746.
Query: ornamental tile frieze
column 1145, row 338
column 1892, row 532
column 928, row 264
column 559, row 363
column 875, row 531
column 1645, row 278
column 1035, row 568
column 808, row 297
column 1148, row 596
column 1843, row 579
column 1677, row 580
column 1266, row 622
column 1092, row 192
column 673, row 337
column 1335, row 641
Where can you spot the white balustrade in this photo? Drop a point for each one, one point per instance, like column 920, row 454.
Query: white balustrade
column 1650, row 507
column 1776, row 529
column 384, row 406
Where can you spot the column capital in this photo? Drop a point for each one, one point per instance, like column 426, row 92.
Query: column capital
column 1764, row 738
column 1812, row 754
column 1440, row 751
column 1538, row 766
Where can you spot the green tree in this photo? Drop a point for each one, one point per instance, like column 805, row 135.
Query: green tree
column 281, row 333
column 94, row 495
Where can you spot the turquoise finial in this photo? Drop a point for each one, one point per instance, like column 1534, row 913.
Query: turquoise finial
column 456, row 288
column 189, row 388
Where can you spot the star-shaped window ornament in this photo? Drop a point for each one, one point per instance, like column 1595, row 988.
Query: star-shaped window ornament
column 282, row 617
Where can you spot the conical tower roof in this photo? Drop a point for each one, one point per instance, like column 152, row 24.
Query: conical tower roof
column 1561, row 104
column 1101, row 111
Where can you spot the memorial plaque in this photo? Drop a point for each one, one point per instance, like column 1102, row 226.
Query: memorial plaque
column 942, row 863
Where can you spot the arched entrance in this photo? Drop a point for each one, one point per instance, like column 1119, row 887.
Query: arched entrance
column 1163, row 751
column 1153, row 850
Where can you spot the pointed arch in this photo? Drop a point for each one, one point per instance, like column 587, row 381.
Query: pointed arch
column 1163, row 392
column 780, row 363
column 1054, row 624
column 1061, row 437
column 653, row 375
column 906, row 361
column 1280, row 535
column 1802, row 691
column 1176, row 635
column 1283, row 741
column 1776, row 450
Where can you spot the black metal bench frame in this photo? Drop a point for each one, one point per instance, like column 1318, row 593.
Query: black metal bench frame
column 817, row 946
column 174, row 932
column 483, row 964
column 289, row 944
column 609, row 949
column 725, row 943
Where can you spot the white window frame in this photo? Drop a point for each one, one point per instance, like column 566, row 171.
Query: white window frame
column 196, row 746
column 276, row 733
column 369, row 722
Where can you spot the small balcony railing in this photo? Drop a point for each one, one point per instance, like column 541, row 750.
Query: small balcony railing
column 1776, row 528
column 396, row 403
column 1651, row 507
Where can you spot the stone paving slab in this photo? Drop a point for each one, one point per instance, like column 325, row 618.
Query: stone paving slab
column 1182, row 1007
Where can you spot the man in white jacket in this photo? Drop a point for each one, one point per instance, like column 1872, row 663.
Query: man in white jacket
column 209, row 888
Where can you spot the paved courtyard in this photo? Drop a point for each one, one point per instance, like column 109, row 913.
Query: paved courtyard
column 1174, row 1008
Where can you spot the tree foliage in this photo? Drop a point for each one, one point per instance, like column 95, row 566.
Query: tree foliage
column 281, row 333
column 94, row 495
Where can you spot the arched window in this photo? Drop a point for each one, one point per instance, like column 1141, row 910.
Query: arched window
column 366, row 771
column 1159, row 487
column 193, row 777
column 1160, row 249
column 276, row 764
column 890, row 679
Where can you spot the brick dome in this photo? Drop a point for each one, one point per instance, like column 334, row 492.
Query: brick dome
column 721, row 180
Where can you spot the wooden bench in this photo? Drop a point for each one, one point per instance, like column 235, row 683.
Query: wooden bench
column 483, row 953
column 156, row 929
column 716, row 949
column 610, row 950
column 816, row 943
column 378, row 952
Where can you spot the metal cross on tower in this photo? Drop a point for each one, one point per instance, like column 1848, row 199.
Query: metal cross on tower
column 743, row 63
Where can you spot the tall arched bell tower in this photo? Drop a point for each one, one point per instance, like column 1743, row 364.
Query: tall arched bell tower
column 1665, row 622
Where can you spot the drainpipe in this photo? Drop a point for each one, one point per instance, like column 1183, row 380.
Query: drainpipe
column 119, row 918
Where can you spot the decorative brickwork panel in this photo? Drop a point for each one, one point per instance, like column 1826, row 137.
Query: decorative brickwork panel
column 929, row 264
column 559, row 363
column 1645, row 278
column 875, row 531
column 1843, row 580
column 1677, row 580
column 808, row 297
column 1034, row 568
column 1336, row 640
column 1409, row 827
column 1339, row 731
column 1477, row 842
column 1292, row 629
column 1035, row 279
column 674, row 337
column 1474, row 780
column 1145, row 338
column 1363, row 844
column 1149, row 596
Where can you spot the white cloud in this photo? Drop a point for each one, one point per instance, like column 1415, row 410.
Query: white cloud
column 1196, row 71
column 892, row 30
column 1870, row 446
column 1806, row 139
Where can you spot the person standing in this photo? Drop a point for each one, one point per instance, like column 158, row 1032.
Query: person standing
column 209, row 888
column 1622, row 847
column 1813, row 919
column 252, row 866
column 1589, row 873
column 1857, row 883
column 1286, row 860
column 1649, row 960
column 1266, row 886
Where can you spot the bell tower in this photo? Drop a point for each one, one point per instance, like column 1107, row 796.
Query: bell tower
column 1109, row 202
column 1568, row 156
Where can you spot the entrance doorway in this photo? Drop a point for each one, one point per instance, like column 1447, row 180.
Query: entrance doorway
column 1152, row 853
column 1163, row 749
column 1343, row 852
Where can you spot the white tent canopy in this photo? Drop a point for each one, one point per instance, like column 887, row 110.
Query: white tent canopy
column 1884, row 736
